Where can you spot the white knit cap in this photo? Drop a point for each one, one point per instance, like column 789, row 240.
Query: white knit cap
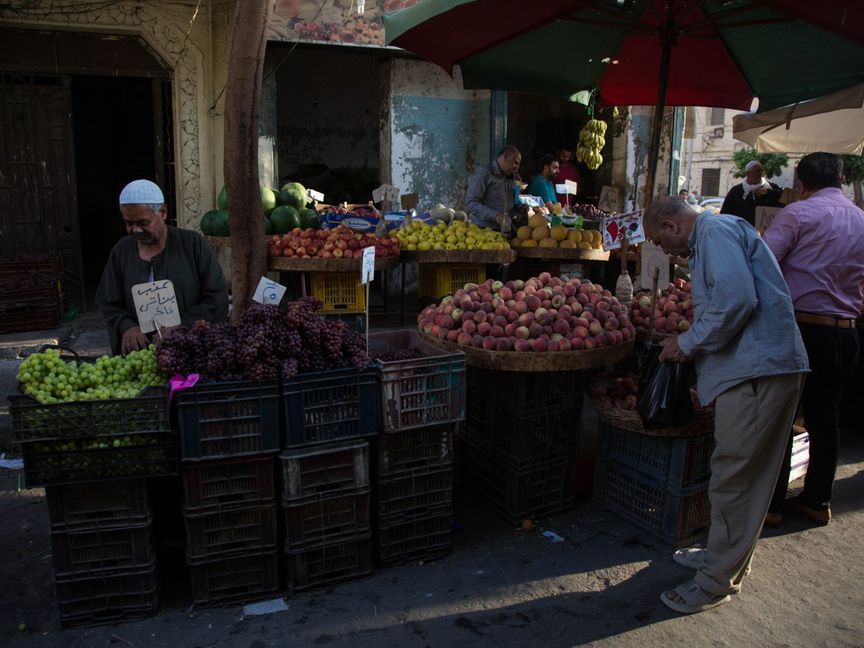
column 141, row 192
column 751, row 164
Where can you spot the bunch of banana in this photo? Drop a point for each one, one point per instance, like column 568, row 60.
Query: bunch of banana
column 591, row 142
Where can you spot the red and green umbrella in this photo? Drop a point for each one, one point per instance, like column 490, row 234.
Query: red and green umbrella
column 720, row 53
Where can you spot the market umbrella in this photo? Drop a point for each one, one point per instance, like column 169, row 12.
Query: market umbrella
column 717, row 53
column 834, row 124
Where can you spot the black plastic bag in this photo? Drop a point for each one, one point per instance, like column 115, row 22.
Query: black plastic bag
column 664, row 391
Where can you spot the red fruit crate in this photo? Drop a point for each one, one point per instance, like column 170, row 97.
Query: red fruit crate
column 414, row 493
column 420, row 391
column 329, row 406
column 230, row 531
column 322, row 519
column 93, row 505
column 108, row 598
column 401, row 541
column 319, row 471
column 235, row 579
column 679, row 517
column 417, row 448
column 77, row 553
column 227, row 419
column 212, row 484
column 327, row 564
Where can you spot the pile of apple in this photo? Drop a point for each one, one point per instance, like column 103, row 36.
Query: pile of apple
column 544, row 313
column 338, row 243
column 673, row 311
column 619, row 392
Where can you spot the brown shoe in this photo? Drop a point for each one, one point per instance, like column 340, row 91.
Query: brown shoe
column 815, row 515
column 773, row 519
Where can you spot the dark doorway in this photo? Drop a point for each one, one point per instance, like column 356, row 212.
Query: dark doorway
column 116, row 141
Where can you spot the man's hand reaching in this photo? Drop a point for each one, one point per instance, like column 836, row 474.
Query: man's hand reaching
column 133, row 340
column 672, row 351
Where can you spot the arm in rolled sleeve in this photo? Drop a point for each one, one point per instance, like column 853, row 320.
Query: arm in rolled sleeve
column 474, row 198
column 731, row 297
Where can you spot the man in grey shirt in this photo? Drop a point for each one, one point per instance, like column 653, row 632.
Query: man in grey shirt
column 750, row 360
column 491, row 191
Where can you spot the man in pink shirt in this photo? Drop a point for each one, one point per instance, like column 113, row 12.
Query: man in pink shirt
column 819, row 244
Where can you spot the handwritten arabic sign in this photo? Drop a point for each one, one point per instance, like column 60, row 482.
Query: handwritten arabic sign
column 155, row 301
column 368, row 267
column 268, row 292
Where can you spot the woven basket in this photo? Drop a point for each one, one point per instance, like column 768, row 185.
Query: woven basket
column 702, row 422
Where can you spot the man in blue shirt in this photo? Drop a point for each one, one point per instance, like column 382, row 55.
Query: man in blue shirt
column 542, row 185
column 751, row 361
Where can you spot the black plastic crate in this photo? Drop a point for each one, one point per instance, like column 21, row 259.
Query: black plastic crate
column 111, row 597
column 230, row 531
column 539, row 490
column 235, row 579
column 523, row 393
column 318, row 471
column 421, row 391
column 414, row 493
column 676, row 462
column 678, row 517
column 401, row 541
column 327, row 564
column 77, row 553
column 209, row 485
column 93, row 505
column 324, row 519
column 521, row 442
column 415, row 448
column 229, row 418
column 330, row 406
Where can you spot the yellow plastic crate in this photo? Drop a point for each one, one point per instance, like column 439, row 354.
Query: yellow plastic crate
column 439, row 279
column 341, row 292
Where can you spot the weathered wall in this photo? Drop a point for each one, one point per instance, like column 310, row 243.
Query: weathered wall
column 438, row 132
column 632, row 148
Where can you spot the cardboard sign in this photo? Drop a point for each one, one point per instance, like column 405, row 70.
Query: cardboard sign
column 572, row 187
column 315, row 195
column 613, row 228
column 610, row 200
column 410, row 201
column 155, row 301
column 268, row 292
column 367, row 272
column 764, row 216
column 385, row 192
column 653, row 259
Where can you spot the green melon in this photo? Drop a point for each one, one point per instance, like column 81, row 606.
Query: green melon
column 284, row 219
column 222, row 200
column 268, row 199
column 215, row 223
column 294, row 194
column 309, row 218
column 268, row 225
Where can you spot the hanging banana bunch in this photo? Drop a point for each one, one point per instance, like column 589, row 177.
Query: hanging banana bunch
column 591, row 142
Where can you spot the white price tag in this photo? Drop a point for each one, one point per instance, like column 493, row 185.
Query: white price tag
column 268, row 292
column 571, row 187
column 385, row 192
column 392, row 193
column 368, row 267
column 315, row 195
column 653, row 260
column 155, row 302
column 560, row 188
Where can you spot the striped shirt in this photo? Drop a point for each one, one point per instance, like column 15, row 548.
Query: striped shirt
column 819, row 244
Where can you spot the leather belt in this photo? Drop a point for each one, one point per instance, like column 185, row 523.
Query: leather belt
column 824, row 320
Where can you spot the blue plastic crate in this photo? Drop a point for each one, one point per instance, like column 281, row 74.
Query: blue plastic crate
column 228, row 418
column 676, row 462
column 330, row 406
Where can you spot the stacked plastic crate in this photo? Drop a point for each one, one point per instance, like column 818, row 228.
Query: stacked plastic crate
column 422, row 406
column 329, row 418
column 229, row 436
column 101, row 526
column 523, row 440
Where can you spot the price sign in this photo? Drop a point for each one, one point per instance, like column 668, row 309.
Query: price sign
column 315, row 195
column 409, row 200
column 572, row 187
column 653, row 260
column 268, row 292
column 613, row 228
column 385, row 192
column 155, row 302
column 368, row 267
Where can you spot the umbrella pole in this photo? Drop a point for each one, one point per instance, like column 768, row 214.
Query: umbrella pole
column 668, row 39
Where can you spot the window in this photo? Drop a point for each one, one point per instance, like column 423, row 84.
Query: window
column 717, row 116
column 710, row 182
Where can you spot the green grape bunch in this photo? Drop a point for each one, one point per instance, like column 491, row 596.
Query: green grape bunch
column 50, row 379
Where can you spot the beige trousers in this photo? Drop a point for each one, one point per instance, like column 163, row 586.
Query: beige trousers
column 751, row 427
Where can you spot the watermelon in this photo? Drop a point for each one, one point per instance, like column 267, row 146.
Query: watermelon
column 222, row 200
column 215, row 223
column 284, row 219
column 268, row 199
column 268, row 225
column 294, row 194
column 309, row 218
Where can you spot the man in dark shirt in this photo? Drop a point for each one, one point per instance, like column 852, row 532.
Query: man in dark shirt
column 492, row 193
column 755, row 191
column 154, row 251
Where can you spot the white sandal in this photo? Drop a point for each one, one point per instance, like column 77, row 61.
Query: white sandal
column 695, row 599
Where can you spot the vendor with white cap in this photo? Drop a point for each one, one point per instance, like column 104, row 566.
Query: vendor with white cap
column 153, row 251
column 743, row 198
